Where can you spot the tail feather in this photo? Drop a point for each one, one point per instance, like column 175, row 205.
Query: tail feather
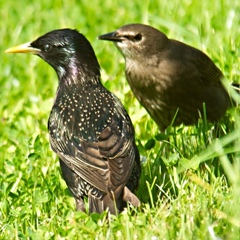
column 234, row 95
column 100, row 205
column 131, row 198
column 95, row 205
column 113, row 206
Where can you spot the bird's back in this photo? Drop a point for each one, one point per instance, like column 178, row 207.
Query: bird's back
column 89, row 129
column 168, row 77
column 179, row 78
column 94, row 137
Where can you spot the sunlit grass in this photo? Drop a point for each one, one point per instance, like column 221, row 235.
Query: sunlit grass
column 189, row 186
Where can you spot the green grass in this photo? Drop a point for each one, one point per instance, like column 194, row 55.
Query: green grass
column 190, row 183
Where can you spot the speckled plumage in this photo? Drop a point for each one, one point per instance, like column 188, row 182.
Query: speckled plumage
column 89, row 128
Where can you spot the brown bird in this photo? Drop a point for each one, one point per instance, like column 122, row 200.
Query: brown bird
column 170, row 79
column 89, row 128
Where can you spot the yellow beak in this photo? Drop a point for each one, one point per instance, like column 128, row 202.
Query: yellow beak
column 23, row 48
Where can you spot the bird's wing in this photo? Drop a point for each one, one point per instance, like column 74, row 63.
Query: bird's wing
column 195, row 64
column 84, row 160
column 105, row 163
column 119, row 151
column 208, row 71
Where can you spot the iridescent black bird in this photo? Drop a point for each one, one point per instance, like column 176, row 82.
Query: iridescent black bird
column 169, row 77
column 89, row 128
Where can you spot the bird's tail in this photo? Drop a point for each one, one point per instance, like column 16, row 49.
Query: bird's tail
column 95, row 205
column 236, row 87
column 131, row 198
column 114, row 206
column 100, row 205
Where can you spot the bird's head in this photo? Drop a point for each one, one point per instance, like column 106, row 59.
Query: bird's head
column 66, row 50
column 137, row 41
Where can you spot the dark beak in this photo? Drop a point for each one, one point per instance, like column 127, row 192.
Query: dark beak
column 23, row 48
column 112, row 36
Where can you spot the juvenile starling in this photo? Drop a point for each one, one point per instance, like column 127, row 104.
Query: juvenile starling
column 89, row 128
column 170, row 78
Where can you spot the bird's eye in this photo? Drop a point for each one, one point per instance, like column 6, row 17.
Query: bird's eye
column 134, row 38
column 47, row 48
column 137, row 37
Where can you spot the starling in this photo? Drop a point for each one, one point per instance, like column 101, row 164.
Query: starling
column 89, row 128
column 170, row 79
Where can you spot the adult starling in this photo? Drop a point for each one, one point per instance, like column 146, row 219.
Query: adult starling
column 89, row 128
column 169, row 78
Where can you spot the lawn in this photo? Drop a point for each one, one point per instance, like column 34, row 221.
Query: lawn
column 190, row 182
